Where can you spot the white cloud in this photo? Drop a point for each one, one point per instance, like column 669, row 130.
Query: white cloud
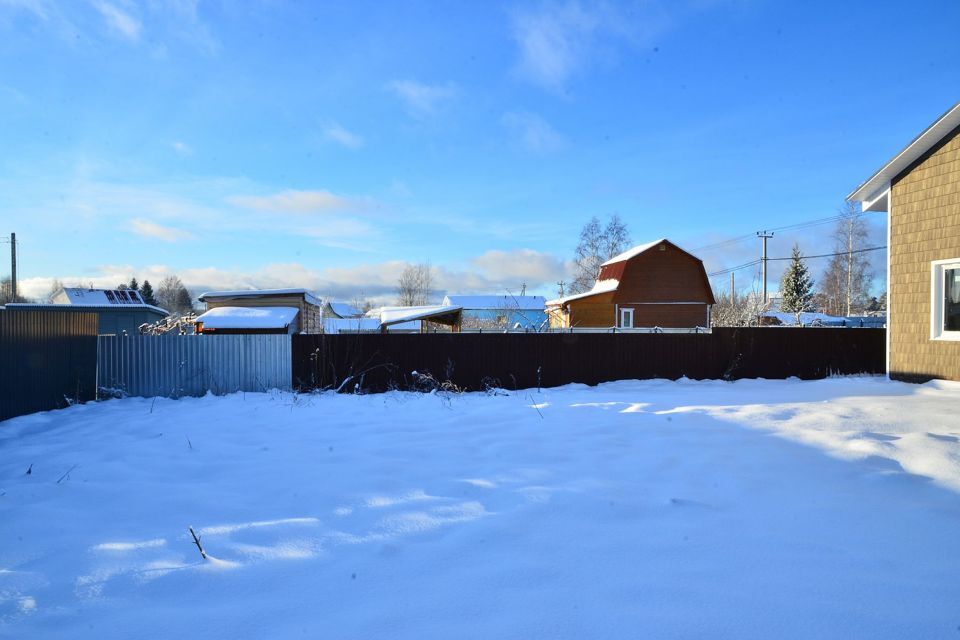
column 345, row 138
column 182, row 148
column 494, row 272
column 150, row 229
column 558, row 41
column 119, row 20
column 529, row 265
column 294, row 201
column 421, row 99
column 534, row 133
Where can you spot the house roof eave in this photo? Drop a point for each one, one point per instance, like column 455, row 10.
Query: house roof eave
column 873, row 188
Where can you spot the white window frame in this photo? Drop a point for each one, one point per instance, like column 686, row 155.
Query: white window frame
column 624, row 312
column 937, row 268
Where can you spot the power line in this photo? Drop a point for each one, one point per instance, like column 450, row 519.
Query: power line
column 737, row 268
column 795, row 226
column 822, row 255
column 839, row 253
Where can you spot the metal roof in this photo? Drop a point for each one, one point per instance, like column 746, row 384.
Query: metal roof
column 253, row 293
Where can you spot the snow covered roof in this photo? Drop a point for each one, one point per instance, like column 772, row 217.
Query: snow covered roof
column 600, row 286
column 874, row 192
column 640, row 248
column 102, row 298
column 344, row 310
column 253, row 293
column 248, row 317
column 394, row 315
column 629, row 253
column 350, row 325
column 531, row 303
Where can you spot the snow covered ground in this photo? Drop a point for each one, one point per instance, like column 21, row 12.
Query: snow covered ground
column 752, row 509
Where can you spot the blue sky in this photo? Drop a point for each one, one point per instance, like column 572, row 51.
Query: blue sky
column 296, row 144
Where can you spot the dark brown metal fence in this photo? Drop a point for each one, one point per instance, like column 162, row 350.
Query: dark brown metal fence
column 381, row 361
column 47, row 360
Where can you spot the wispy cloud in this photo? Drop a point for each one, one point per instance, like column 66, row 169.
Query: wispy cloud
column 422, row 100
column 557, row 41
column 150, row 229
column 118, row 20
column 182, row 148
column 534, row 133
column 294, row 201
column 340, row 135
column 38, row 8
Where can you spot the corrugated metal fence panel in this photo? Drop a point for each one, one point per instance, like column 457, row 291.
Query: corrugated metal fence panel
column 174, row 366
column 47, row 360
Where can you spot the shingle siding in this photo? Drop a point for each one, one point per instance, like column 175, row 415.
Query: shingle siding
column 924, row 227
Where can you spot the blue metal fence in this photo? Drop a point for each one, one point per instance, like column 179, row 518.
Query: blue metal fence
column 174, row 366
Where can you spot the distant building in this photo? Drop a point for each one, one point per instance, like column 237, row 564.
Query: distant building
column 119, row 311
column 335, row 310
column 500, row 312
column 657, row 284
column 306, row 319
column 417, row 319
column 919, row 188
column 351, row 325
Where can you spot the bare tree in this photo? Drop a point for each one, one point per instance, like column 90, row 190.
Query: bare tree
column 736, row 309
column 173, row 296
column 54, row 289
column 844, row 288
column 6, row 292
column 597, row 245
column 415, row 285
column 361, row 302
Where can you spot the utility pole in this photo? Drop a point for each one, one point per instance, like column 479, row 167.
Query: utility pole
column 764, row 235
column 523, row 289
column 733, row 288
column 13, row 267
column 560, row 284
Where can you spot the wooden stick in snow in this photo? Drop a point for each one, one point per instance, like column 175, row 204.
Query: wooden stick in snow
column 67, row 473
column 196, row 541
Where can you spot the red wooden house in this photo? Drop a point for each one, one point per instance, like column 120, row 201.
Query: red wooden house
column 657, row 284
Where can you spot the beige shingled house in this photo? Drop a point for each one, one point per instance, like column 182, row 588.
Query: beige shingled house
column 920, row 191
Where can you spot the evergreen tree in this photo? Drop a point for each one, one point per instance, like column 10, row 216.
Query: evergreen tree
column 134, row 284
column 796, row 287
column 146, row 292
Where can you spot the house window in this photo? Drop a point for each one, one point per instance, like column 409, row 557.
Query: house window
column 945, row 303
column 626, row 318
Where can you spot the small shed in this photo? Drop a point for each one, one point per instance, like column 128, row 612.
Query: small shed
column 233, row 320
column 307, row 304
column 656, row 284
